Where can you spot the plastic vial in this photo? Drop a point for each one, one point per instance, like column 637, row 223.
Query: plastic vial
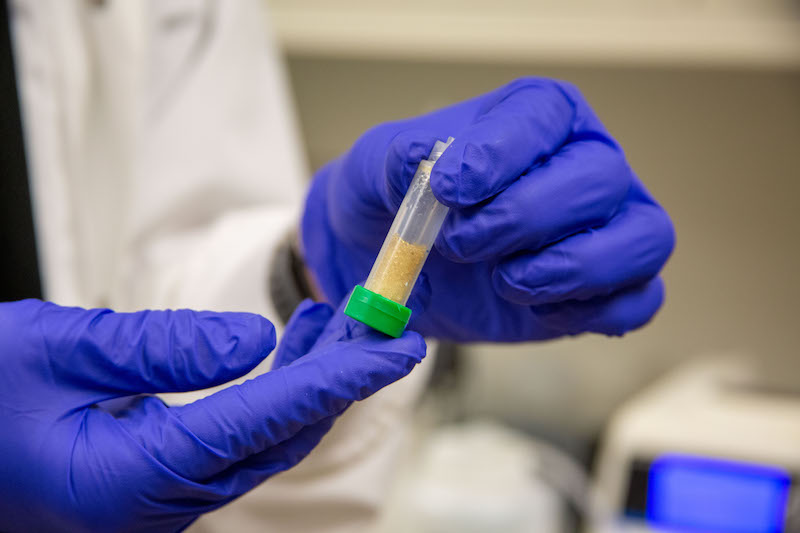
column 380, row 303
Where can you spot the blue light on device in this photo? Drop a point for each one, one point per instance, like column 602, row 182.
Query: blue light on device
column 690, row 493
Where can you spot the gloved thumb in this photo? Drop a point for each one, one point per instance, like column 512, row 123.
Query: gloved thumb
column 304, row 327
column 115, row 354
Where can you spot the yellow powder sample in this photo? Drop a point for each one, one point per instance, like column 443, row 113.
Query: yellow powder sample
column 394, row 276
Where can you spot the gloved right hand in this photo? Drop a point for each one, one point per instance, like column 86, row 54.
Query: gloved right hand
column 81, row 449
column 550, row 232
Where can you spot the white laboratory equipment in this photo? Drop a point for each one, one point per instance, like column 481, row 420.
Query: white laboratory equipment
column 710, row 447
column 480, row 476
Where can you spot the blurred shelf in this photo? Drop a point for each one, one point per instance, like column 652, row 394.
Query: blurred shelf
column 703, row 33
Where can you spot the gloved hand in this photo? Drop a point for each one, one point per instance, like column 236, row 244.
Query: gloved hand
column 80, row 451
column 550, row 231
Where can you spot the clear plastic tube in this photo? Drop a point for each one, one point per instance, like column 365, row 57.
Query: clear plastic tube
column 411, row 236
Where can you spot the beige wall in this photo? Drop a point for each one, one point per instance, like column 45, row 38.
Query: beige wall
column 718, row 148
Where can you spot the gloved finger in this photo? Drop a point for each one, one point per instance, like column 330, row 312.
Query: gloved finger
column 302, row 331
column 612, row 315
column 629, row 250
column 403, row 156
column 525, row 127
column 213, row 433
column 247, row 474
column 152, row 351
column 341, row 328
column 146, row 421
column 579, row 188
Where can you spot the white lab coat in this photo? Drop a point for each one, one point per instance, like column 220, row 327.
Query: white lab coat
column 165, row 165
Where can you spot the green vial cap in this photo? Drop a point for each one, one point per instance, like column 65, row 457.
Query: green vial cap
column 378, row 312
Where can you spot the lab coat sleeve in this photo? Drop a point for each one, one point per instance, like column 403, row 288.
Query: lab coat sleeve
column 216, row 170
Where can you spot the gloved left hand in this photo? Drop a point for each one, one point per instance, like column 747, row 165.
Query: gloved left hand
column 80, row 451
column 550, row 232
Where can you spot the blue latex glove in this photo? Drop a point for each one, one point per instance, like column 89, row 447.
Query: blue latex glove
column 80, row 452
column 550, row 234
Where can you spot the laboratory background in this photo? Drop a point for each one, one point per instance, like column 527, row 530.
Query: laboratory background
column 693, row 422
column 688, row 424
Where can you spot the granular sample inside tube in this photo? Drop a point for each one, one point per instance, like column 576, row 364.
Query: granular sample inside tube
column 397, row 268
column 381, row 302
